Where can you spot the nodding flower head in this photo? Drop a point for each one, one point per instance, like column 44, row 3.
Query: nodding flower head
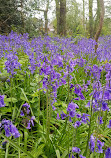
column 108, row 153
column 9, row 128
column 25, row 109
column 2, row 101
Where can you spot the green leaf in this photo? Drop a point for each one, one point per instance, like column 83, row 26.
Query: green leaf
column 13, row 100
column 25, row 138
column 64, row 154
column 23, row 95
column 17, row 146
column 39, row 151
column 58, row 153
column 44, row 156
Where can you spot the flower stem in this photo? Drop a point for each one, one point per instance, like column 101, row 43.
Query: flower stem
column 89, row 133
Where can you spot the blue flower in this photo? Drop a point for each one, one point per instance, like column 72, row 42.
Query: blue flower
column 25, row 109
column 92, row 143
column 12, row 63
column 71, row 109
column 99, row 145
column 82, row 156
column 109, row 126
column 63, row 115
column 104, row 106
column 77, row 124
column 57, row 116
column 72, row 156
column 108, row 153
column 30, row 121
column 85, row 118
column 2, row 101
column 9, row 128
column 100, row 120
column 76, row 150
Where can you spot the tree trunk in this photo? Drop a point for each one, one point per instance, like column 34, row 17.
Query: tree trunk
column 62, row 22
column 22, row 17
column 46, row 21
column 102, row 11
column 45, row 17
column 90, row 18
column 57, row 14
column 97, row 17
column 83, row 14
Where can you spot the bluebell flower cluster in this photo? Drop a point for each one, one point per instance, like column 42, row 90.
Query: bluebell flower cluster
column 78, row 91
column 12, row 64
column 9, row 128
column 92, row 143
column 25, row 112
column 76, row 150
column 56, row 61
column 108, row 153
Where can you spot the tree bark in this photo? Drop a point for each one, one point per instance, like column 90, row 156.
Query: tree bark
column 97, row 16
column 57, row 14
column 102, row 12
column 62, row 22
column 90, row 18
column 22, row 16
column 45, row 16
column 83, row 14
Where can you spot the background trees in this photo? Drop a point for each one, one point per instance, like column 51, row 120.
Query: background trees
column 71, row 18
column 74, row 18
column 9, row 15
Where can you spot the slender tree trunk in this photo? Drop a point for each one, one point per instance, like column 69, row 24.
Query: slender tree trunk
column 97, row 17
column 46, row 21
column 45, row 16
column 102, row 12
column 90, row 18
column 83, row 14
column 62, row 22
column 57, row 14
column 22, row 16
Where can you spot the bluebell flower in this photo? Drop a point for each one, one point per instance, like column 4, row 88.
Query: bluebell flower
column 82, row 156
column 71, row 109
column 76, row 150
column 21, row 113
column 25, row 110
column 2, row 101
column 63, row 115
column 104, row 106
column 71, row 113
column 109, row 126
column 77, row 124
column 30, row 122
column 9, row 128
column 78, row 91
column 92, row 143
column 84, row 118
column 108, row 153
column 99, row 146
column 78, row 115
column 88, row 104
column 57, row 116
column 72, row 106
column 100, row 120
column 72, row 156
column 12, row 63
